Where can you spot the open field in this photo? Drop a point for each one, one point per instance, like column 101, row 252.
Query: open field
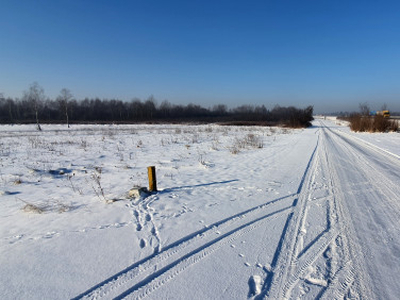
column 240, row 212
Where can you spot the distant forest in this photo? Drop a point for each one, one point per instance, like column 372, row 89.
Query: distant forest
column 34, row 107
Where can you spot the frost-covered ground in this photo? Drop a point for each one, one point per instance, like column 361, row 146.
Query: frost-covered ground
column 240, row 212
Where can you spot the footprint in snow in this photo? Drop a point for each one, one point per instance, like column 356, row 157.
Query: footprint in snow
column 118, row 225
column 255, row 285
column 15, row 238
column 49, row 235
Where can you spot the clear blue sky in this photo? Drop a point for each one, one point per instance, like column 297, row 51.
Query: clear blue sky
column 330, row 54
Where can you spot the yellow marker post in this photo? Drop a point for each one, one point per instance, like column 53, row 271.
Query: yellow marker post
column 152, row 179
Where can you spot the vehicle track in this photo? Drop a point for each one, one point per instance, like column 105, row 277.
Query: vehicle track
column 380, row 168
column 292, row 258
column 348, row 276
column 369, row 191
column 334, row 247
column 147, row 275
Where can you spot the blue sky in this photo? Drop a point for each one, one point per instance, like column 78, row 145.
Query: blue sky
column 329, row 54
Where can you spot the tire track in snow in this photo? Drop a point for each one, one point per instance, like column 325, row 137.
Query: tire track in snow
column 372, row 208
column 339, row 284
column 307, row 256
column 387, row 159
column 284, row 259
column 365, row 143
column 380, row 182
column 159, row 278
column 292, row 261
column 334, row 245
column 155, row 270
column 341, row 279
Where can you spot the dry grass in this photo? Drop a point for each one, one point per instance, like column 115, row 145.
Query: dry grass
column 33, row 208
column 377, row 123
column 17, row 181
column 250, row 141
column 97, row 187
column 42, row 207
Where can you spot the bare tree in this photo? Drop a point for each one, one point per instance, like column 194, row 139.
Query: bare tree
column 35, row 96
column 384, row 106
column 165, row 108
column 150, row 107
column 364, row 109
column 63, row 99
column 220, row 109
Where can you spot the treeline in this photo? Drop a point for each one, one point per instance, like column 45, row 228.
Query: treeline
column 34, row 108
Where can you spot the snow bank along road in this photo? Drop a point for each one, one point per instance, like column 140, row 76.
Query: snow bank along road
column 338, row 237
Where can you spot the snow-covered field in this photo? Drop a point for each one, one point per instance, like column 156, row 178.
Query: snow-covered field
column 240, row 212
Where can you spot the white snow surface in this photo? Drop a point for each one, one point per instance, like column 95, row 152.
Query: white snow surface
column 388, row 142
column 240, row 212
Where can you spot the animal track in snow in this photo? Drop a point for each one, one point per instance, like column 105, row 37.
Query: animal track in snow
column 143, row 217
column 54, row 233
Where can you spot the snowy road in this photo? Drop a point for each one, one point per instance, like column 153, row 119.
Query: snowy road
column 339, row 237
column 361, row 242
column 366, row 183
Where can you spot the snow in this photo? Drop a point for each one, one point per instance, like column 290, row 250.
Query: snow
column 240, row 212
column 388, row 142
